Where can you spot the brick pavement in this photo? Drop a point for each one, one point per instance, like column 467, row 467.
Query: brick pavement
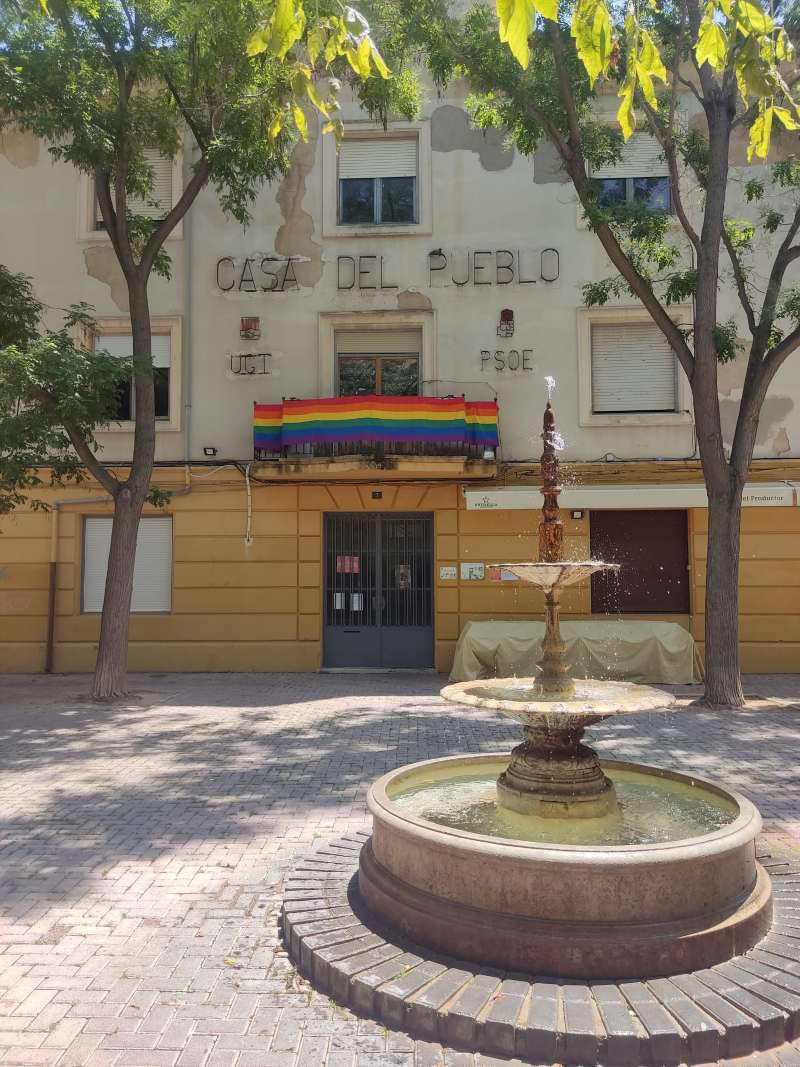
column 143, row 848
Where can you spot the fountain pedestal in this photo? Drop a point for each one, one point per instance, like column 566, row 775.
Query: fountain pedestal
column 551, row 774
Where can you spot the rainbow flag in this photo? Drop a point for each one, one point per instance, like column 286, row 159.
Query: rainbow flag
column 378, row 419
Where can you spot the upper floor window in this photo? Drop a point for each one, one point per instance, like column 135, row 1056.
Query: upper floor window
column 378, row 181
column 159, row 201
column 640, row 176
column 633, row 369
column 381, row 362
column 121, row 345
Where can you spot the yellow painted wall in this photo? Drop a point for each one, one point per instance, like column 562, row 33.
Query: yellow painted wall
column 259, row 608
column 769, row 587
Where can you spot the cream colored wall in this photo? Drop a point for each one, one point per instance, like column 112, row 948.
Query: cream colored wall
column 483, row 198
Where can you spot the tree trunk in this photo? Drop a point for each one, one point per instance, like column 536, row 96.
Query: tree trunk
column 723, row 687
column 110, row 676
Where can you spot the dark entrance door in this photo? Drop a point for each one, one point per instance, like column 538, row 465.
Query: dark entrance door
column 653, row 548
column 378, row 591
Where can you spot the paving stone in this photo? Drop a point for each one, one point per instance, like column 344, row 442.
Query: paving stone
column 538, row 1036
column 741, row 1031
column 500, row 1016
column 665, row 1035
column 772, row 1021
column 391, row 997
column 703, row 1033
column 460, row 1020
column 423, row 1009
column 623, row 1042
column 364, row 984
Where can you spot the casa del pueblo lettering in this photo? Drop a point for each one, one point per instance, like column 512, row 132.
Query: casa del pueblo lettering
column 370, row 272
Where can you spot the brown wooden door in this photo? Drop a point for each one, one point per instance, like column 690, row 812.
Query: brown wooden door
column 653, row 549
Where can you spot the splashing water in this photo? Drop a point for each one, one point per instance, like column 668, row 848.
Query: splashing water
column 559, row 444
column 550, row 382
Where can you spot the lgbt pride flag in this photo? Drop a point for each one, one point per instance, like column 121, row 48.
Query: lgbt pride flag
column 378, row 419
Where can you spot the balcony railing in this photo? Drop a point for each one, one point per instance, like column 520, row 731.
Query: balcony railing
column 375, row 426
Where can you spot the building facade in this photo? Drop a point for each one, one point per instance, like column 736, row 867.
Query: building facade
column 437, row 272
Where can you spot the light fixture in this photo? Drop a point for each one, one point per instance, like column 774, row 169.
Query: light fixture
column 209, row 450
column 488, row 454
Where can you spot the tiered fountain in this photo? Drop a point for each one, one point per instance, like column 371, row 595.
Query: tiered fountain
column 559, row 863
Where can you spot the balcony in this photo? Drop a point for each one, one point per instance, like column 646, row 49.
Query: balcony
column 404, row 435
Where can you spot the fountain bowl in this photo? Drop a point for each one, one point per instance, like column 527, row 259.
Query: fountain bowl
column 565, row 909
column 556, row 575
column 589, row 700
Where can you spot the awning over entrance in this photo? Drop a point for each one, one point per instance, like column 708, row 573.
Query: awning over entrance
column 625, row 497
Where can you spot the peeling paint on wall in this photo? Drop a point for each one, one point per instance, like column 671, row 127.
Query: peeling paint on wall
column 780, row 442
column 411, row 300
column 101, row 263
column 451, row 131
column 730, row 376
column 294, row 236
column 547, row 166
column 19, row 148
column 773, row 412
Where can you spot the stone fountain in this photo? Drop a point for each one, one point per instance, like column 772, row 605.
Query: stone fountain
column 556, row 862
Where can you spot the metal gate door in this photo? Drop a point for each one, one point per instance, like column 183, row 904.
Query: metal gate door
column 378, row 591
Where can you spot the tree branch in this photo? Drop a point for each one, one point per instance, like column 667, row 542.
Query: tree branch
column 173, row 217
column 786, row 254
column 198, row 136
column 741, row 282
column 666, row 138
column 108, row 481
column 776, row 356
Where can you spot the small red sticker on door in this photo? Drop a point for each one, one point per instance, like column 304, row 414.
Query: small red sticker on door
column 348, row 564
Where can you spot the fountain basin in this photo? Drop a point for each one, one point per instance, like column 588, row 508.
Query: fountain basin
column 566, row 909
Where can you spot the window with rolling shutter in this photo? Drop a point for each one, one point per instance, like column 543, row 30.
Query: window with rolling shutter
column 640, row 176
column 121, row 345
column 152, row 572
column 633, row 370
column 160, row 200
column 384, row 362
column 378, row 180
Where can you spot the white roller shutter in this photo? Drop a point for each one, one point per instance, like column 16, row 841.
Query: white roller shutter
column 633, row 369
column 378, row 342
column 642, row 157
column 152, row 572
column 161, row 192
column 121, row 344
column 378, row 157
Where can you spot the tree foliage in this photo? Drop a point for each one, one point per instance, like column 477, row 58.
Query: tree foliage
column 53, row 391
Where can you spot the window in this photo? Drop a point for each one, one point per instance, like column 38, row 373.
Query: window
column 653, row 548
column 378, row 181
column 384, row 362
column 160, row 200
column 633, row 369
column 121, row 345
column 152, row 572
column 640, row 176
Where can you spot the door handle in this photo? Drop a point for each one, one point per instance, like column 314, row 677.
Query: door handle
column 352, row 631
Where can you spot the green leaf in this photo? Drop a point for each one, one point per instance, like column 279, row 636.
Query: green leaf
column 276, row 126
column 259, row 41
column 754, row 75
column 516, row 24
column 378, row 60
column 712, row 45
column 649, row 58
column 316, row 99
column 786, row 117
column 760, row 134
column 592, row 32
column 300, row 121
column 625, row 114
column 751, row 19
column 315, row 44
column 287, row 25
column 548, row 9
